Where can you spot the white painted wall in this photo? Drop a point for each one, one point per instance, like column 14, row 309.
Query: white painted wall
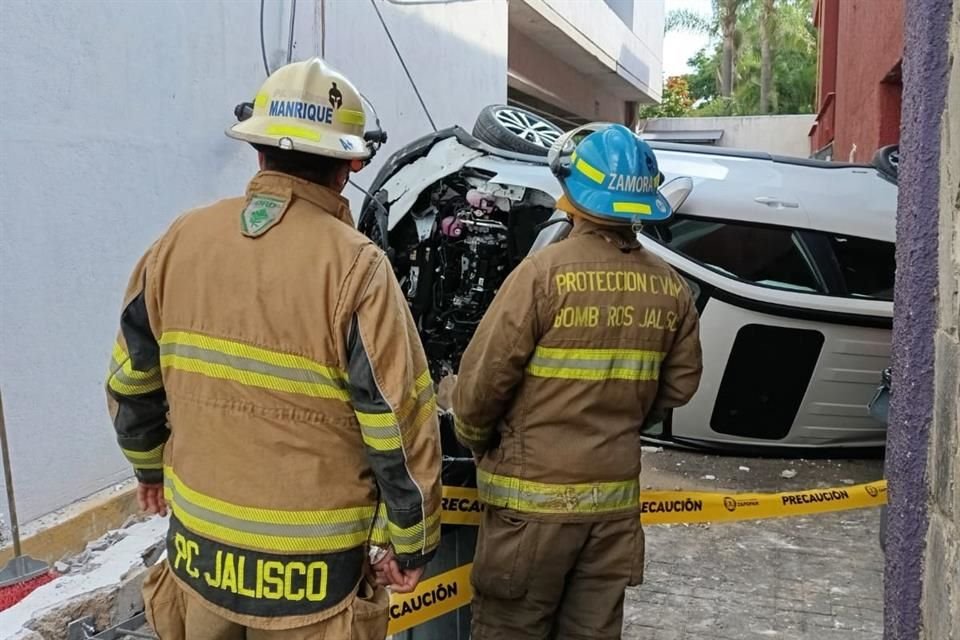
column 457, row 55
column 111, row 124
column 637, row 48
column 782, row 135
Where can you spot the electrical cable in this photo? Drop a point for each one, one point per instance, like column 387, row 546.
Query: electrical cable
column 263, row 44
column 402, row 63
column 382, row 230
column 414, row 3
column 323, row 29
column 293, row 20
column 369, row 195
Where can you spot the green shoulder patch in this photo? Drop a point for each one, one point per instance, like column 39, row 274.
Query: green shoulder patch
column 261, row 213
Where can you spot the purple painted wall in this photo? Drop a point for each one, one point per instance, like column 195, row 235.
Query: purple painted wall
column 924, row 97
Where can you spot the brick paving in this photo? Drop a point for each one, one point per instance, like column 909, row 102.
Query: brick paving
column 816, row 577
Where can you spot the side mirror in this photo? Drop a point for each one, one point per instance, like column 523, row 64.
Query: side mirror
column 676, row 191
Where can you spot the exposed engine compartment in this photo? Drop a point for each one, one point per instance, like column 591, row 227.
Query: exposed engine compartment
column 453, row 251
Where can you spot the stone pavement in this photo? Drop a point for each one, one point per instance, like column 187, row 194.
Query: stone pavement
column 813, row 577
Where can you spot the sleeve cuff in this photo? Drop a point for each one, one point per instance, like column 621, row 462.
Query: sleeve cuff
column 149, row 476
column 414, row 561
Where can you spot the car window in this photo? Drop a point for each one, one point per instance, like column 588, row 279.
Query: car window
column 770, row 256
column 867, row 266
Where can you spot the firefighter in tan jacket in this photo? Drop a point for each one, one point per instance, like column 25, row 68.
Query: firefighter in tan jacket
column 269, row 387
column 585, row 339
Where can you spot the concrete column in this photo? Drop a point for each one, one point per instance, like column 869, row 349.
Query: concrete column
column 922, row 469
column 941, row 585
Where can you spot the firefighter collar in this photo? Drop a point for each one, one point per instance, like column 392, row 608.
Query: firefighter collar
column 270, row 194
column 623, row 237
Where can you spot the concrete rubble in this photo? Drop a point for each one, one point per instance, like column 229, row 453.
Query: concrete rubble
column 103, row 581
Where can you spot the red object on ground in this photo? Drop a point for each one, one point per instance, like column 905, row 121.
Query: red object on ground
column 13, row 594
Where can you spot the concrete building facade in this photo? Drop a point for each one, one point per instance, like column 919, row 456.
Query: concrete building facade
column 113, row 119
column 781, row 134
column 922, row 581
column 859, row 78
column 578, row 62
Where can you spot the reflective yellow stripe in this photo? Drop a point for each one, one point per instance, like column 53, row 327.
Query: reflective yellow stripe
column 380, row 531
column 539, row 497
column 386, row 438
column 271, row 530
column 590, row 171
column 377, row 420
column 126, row 380
column 152, row 459
column 252, row 366
column 349, row 116
column 413, row 539
column 413, row 401
column 469, row 432
column 596, row 364
column 409, row 540
column 383, row 431
column 426, row 412
column 632, row 207
column 293, row 131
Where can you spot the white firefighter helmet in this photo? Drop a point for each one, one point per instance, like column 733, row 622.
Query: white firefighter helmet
column 310, row 107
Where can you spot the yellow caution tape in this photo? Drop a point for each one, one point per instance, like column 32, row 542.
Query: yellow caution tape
column 432, row 598
column 461, row 505
column 451, row 590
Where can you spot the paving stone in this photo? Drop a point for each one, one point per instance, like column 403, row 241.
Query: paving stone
column 810, row 578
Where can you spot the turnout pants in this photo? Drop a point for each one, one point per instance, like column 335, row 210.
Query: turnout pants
column 551, row 580
column 175, row 614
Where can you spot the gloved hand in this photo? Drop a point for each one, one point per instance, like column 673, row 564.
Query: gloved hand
column 388, row 573
column 445, row 392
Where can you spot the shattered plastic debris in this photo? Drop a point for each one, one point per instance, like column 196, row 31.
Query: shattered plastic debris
column 788, row 473
column 105, row 541
column 743, row 468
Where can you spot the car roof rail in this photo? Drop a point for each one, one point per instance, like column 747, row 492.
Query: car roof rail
column 731, row 152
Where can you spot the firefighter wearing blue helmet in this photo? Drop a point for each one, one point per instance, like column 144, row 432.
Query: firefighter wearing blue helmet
column 610, row 175
column 585, row 340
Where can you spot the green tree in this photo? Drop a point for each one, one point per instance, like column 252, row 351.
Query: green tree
column 722, row 22
column 775, row 66
column 676, row 100
column 705, row 80
column 768, row 18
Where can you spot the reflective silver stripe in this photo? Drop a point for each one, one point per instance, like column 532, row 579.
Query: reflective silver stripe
column 595, row 364
column 306, row 530
column 146, row 378
column 602, row 365
column 536, row 497
column 245, row 364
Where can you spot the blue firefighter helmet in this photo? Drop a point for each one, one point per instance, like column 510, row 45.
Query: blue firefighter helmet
column 609, row 174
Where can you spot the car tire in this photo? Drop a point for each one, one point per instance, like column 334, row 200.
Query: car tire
column 514, row 129
column 887, row 161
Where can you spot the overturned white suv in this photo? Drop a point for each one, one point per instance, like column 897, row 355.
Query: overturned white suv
column 791, row 261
